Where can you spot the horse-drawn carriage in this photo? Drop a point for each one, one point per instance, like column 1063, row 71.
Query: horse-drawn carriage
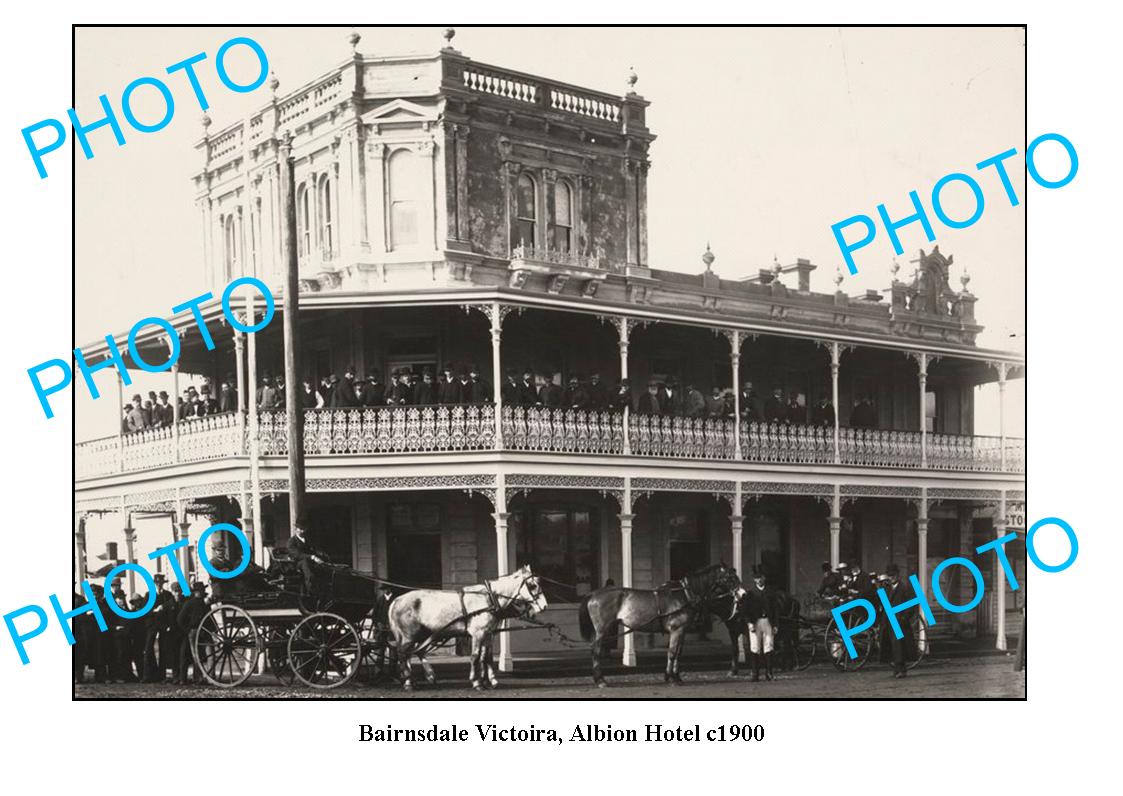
column 318, row 633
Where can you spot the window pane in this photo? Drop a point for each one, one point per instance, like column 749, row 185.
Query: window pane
column 403, row 223
column 525, row 233
column 525, row 200
column 563, row 213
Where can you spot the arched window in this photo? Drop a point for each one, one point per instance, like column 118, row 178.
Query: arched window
column 230, row 247
column 526, row 206
column 303, row 221
column 326, row 217
column 563, row 216
column 405, row 191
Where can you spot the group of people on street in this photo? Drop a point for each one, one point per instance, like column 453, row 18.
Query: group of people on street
column 156, row 411
column 845, row 583
column 141, row 650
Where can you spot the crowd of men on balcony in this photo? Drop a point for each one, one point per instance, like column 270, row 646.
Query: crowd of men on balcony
column 156, row 411
column 667, row 397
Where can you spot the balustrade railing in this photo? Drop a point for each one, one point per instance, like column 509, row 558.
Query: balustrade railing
column 562, row 430
column 434, row 429
column 384, row 429
column 682, row 437
column 788, row 444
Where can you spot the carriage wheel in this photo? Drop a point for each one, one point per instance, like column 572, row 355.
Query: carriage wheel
column 836, row 648
column 804, row 646
column 277, row 653
column 226, row 646
column 920, row 632
column 314, row 604
column 378, row 654
column 324, row 651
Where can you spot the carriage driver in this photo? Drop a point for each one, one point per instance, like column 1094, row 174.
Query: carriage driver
column 305, row 554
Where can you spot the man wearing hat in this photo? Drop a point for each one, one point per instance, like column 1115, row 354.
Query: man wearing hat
column 774, row 410
column 344, row 395
column 762, row 616
column 622, row 398
column 576, row 396
column 307, row 556
column 157, row 623
column 448, row 387
column 831, row 584
column 528, row 390
column 375, row 393
column 479, row 391
column 401, row 391
column 188, row 617
column 509, row 392
column 893, row 649
column 425, row 391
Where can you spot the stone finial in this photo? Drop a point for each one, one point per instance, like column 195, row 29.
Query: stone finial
column 776, row 267
column 964, row 279
column 274, row 83
column 838, row 277
column 449, row 35
column 205, row 120
column 894, row 268
column 632, row 79
column 708, row 257
column 354, row 39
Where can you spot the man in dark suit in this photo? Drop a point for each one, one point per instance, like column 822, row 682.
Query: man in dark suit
column 209, row 406
column 509, row 392
column 795, row 414
column 157, row 622
column 673, row 399
column 188, row 617
column 528, row 391
column 550, row 395
column 897, row 650
column 479, row 391
column 598, row 393
column 448, row 387
column 307, row 556
column 309, row 399
column 575, row 396
column 823, row 413
column 863, row 415
column 425, row 392
column 774, row 411
column 344, row 395
column 375, row 394
column 171, row 639
column 401, row 393
column 649, row 402
column 227, row 398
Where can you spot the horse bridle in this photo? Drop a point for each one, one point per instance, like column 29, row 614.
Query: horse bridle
column 501, row 610
column 712, row 594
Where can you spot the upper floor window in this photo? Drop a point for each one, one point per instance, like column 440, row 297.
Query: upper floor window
column 326, row 212
column 526, row 205
column 405, row 191
column 230, row 246
column 303, row 221
column 563, row 216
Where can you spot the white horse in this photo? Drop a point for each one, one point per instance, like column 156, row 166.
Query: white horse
column 423, row 618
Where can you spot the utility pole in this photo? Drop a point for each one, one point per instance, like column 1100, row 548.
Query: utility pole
column 293, row 411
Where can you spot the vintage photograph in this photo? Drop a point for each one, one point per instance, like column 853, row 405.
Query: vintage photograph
column 524, row 363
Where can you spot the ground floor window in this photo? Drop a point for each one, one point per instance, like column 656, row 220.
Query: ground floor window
column 413, row 545
column 559, row 543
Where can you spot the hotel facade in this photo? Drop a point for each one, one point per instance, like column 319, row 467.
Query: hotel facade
column 449, row 211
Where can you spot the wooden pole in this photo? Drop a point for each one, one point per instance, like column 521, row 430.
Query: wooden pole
column 293, row 412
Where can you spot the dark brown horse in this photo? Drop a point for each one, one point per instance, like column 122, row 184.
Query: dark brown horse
column 669, row 609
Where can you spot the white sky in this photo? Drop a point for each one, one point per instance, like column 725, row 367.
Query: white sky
column 765, row 138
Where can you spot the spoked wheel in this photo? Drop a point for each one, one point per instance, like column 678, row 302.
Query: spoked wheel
column 325, row 651
column 378, row 655
column 804, row 646
column 314, row 604
column 919, row 629
column 277, row 653
column 840, row 656
column 226, row 646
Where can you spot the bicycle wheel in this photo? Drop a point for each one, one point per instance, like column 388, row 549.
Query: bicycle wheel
column 919, row 628
column 839, row 655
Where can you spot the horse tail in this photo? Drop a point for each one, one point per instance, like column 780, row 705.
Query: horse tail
column 585, row 620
